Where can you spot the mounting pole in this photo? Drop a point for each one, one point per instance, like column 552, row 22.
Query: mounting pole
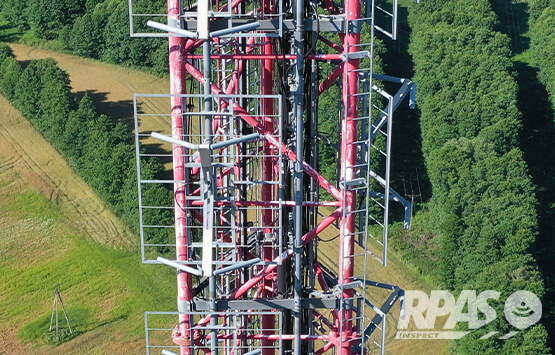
column 267, row 78
column 298, row 114
column 178, row 87
column 349, row 135
column 58, row 298
column 208, row 183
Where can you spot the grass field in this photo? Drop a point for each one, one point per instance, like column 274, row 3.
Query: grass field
column 54, row 229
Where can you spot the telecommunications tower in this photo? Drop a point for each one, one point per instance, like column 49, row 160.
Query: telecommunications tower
column 240, row 131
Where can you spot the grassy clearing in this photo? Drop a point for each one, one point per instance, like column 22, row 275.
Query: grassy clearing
column 100, row 285
column 55, row 230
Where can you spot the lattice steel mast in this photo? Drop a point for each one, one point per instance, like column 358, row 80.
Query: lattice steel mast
column 244, row 154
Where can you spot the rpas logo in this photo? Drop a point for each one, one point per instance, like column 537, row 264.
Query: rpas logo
column 522, row 309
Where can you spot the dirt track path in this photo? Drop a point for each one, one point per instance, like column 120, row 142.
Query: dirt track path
column 25, row 151
column 111, row 87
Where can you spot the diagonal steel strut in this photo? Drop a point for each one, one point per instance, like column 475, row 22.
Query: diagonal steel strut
column 322, row 181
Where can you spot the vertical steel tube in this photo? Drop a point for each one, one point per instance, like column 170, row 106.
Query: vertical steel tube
column 208, row 209
column 178, row 87
column 242, row 89
column 312, row 218
column 57, row 327
column 387, row 178
column 268, row 190
column 349, row 133
column 298, row 110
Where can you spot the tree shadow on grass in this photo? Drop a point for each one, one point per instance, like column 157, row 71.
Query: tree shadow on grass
column 539, row 152
column 513, row 21
column 536, row 142
column 80, row 318
column 409, row 173
column 118, row 111
column 8, row 33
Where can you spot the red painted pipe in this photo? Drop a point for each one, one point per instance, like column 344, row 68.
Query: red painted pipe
column 178, row 87
column 349, row 135
column 265, row 56
column 240, row 111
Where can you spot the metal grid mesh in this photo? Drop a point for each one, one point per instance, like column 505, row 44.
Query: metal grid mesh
column 157, row 237
column 238, row 331
column 225, row 15
column 359, row 301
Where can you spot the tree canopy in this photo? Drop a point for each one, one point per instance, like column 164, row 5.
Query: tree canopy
column 483, row 196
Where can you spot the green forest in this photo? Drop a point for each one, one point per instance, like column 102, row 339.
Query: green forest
column 479, row 146
column 483, row 206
